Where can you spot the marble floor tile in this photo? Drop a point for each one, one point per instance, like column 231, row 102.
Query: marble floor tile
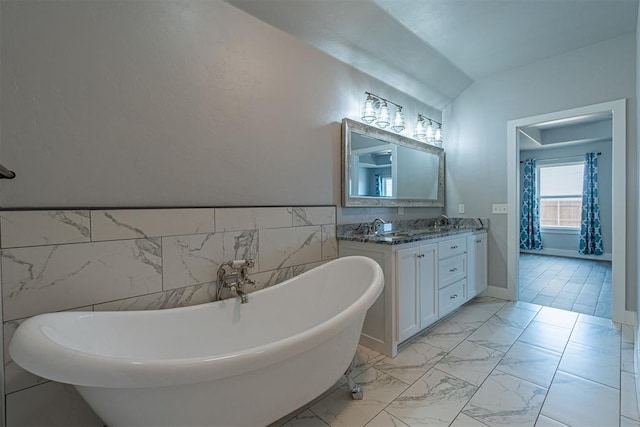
column 305, row 419
column 628, row 422
column 463, row 420
column 495, row 335
column 385, row 419
column 339, row 409
column 365, row 358
column 489, row 304
column 514, row 316
column 504, row 400
column 434, row 400
column 548, row 422
column 470, row 362
column 528, row 362
column 524, row 305
column 557, row 317
column 449, row 334
column 601, row 365
column 596, row 335
column 412, row 362
column 576, row 401
column 544, row 335
column 626, row 357
column 628, row 399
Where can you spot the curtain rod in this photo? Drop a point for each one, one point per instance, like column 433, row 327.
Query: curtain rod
column 560, row 158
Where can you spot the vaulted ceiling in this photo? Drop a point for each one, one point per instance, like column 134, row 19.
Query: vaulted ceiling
column 434, row 49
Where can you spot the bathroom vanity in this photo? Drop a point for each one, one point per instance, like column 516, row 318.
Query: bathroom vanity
column 428, row 274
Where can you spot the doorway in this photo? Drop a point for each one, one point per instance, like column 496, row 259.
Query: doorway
column 617, row 111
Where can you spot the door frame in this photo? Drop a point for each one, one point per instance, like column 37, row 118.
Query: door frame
column 617, row 109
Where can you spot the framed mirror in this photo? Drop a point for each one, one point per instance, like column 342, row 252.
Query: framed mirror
column 381, row 168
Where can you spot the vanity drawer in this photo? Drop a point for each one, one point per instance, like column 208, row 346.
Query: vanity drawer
column 451, row 297
column 451, row 270
column 452, row 247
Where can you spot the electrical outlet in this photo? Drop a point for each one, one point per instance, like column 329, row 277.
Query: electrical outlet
column 499, row 208
column 461, row 208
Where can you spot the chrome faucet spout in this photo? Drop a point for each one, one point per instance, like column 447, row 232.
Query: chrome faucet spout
column 243, row 296
column 375, row 225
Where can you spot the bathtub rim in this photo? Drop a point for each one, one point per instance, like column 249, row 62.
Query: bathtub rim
column 76, row 367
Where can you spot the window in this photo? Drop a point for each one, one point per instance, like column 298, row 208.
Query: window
column 560, row 195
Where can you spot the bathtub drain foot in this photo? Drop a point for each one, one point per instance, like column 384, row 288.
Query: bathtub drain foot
column 356, row 389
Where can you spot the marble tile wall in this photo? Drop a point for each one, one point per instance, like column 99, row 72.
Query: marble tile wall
column 137, row 259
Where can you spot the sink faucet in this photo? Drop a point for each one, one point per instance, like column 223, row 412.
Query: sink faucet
column 443, row 217
column 376, row 224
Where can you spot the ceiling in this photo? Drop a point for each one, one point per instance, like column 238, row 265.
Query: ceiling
column 434, row 49
column 575, row 130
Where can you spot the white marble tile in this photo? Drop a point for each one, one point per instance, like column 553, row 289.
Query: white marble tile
column 557, row 317
column 266, row 279
column 339, row 409
column 548, row 422
column 385, row 419
column 489, row 304
column 194, row 259
column 239, row 219
column 627, row 357
column 504, row 400
column 530, row 363
column 16, row 378
column 601, row 365
column 412, row 362
column 51, row 405
column 628, row 334
column 365, row 358
column 182, row 297
column 576, row 401
column 596, row 335
column 514, row 316
column 433, row 400
column 285, row 247
column 600, row 321
column 495, row 335
column 138, row 223
column 52, row 278
column 38, row 228
column 470, row 362
column 316, row 215
column 329, row 242
column 463, row 420
column 524, row 305
column 547, row 336
column 628, row 397
column 449, row 334
column 474, row 313
column 305, row 419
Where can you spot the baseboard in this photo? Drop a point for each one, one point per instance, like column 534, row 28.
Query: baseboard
column 568, row 254
column 498, row 292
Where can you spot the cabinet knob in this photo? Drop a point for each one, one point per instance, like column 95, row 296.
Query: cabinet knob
column 454, row 247
column 420, row 255
column 454, row 296
column 478, row 241
column 451, row 270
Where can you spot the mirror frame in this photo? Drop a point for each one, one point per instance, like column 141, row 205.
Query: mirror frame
column 349, row 126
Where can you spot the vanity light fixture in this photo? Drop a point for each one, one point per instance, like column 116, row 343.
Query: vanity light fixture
column 428, row 130
column 376, row 108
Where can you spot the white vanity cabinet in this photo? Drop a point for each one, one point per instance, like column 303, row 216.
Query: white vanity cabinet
column 477, row 264
column 424, row 281
column 416, row 289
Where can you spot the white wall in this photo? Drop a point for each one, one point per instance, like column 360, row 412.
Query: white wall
column 476, row 125
column 158, row 103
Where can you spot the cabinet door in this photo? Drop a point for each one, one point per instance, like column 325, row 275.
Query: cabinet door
column 480, row 250
column 477, row 265
column 428, row 284
column 408, row 312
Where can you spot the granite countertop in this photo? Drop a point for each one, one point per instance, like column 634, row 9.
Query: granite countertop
column 413, row 231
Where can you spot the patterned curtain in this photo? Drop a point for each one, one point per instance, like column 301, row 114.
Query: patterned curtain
column 530, row 219
column 378, row 178
column 590, row 229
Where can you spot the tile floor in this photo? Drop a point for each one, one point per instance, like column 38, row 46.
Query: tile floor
column 492, row 363
column 579, row 285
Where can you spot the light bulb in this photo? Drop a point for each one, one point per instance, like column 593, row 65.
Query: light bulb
column 420, row 131
column 430, row 132
column 438, row 135
column 383, row 117
column 368, row 111
column 398, row 121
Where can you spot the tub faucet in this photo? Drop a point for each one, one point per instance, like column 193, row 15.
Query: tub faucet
column 233, row 275
column 242, row 295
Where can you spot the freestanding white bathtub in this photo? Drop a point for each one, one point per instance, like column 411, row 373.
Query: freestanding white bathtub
column 215, row 364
